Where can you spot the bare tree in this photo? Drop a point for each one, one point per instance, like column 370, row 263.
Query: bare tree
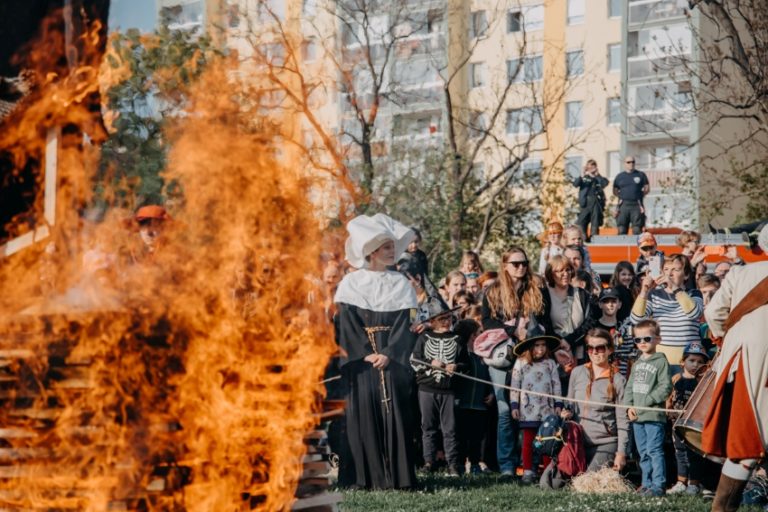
column 719, row 77
column 408, row 132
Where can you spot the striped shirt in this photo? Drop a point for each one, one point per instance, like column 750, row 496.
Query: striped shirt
column 677, row 328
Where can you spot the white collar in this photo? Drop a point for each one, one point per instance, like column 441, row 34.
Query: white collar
column 376, row 291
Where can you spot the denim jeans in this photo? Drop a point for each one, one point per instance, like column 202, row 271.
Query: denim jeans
column 649, row 437
column 507, row 428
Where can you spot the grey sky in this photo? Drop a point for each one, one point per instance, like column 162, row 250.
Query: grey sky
column 125, row 14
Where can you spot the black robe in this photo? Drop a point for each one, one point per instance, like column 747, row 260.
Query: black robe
column 380, row 435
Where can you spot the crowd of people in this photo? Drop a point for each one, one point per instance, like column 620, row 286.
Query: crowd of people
column 483, row 357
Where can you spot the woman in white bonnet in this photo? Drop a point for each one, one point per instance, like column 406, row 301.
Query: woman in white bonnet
column 375, row 310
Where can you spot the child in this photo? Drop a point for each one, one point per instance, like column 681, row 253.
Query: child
column 649, row 385
column 621, row 333
column 551, row 246
column 689, row 464
column 455, row 282
column 474, row 399
column 444, row 349
column 470, row 265
column 534, row 370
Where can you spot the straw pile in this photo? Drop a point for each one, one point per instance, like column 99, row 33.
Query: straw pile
column 604, row 481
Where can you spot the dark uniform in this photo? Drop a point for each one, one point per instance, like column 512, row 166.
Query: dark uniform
column 591, row 202
column 628, row 186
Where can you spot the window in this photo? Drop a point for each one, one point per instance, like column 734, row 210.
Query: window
column 531, row 70
column 309, row 50
column 573, row 114
column 574, row 63
column 477, row 76
column 575, row 12
column 573, row 167
column 233, row 16
column 524, row 120
column 614, row 8
column 528, row 18
column 479, row 24
column 613, row 163
column 478, row 124
column 614, row 57
column 309, row 8
column 531, row 167
column 514, row 21
column 614, row 111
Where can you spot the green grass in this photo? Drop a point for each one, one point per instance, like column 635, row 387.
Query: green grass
column 489, row 493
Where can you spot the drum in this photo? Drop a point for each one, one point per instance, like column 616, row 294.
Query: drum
column 690, row 424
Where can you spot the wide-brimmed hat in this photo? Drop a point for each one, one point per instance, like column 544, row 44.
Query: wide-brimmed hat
column 368, row 233
column 527, row 343
column 432, row 308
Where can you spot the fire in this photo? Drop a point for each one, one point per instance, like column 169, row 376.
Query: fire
column 185, row 380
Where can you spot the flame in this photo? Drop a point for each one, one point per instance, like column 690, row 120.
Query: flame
column 182, row 379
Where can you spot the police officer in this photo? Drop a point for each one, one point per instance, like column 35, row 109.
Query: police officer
column 591, row 198
column 630, row 186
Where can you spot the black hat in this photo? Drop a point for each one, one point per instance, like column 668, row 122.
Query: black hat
column 527, row 344
column 432, row 308
column 608, row 293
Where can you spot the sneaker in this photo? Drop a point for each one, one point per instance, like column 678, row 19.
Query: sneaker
column 656, row 493
column 706, row 494
column 529, row 477
column 692, row 490
column 454, row 472
column 678, row 488
column 507, row 473
column 429, row 467
column 484, row 468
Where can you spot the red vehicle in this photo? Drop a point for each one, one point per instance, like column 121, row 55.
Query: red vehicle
column 609, row 249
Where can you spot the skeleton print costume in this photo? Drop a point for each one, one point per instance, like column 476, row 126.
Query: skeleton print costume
column 437, row 400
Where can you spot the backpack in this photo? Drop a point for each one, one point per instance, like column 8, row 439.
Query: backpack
column 572, row 459
column 495, row 347
column 550, row 436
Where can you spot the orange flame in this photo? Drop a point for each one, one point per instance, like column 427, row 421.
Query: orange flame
column 185, row 380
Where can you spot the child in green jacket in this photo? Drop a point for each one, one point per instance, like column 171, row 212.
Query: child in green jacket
column 649, row 385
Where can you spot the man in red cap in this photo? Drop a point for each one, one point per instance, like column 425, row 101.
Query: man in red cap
column 151, row 220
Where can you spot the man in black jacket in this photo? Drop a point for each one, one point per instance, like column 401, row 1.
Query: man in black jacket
column 591, row 198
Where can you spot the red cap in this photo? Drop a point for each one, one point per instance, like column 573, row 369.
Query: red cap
column 151, row 211
column 646, row 239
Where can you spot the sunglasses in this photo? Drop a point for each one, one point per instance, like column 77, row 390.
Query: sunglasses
column 597, row 349
column 629, row 162
column 648, row 248
column 644, row 339
column 518, row 264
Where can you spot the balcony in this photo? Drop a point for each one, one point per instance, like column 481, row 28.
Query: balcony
column 644, row 67
column 421, row 44
column 648, row 11
column 666, row 180
column 658, row 123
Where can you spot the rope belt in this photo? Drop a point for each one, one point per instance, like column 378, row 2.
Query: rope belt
column 547, row 395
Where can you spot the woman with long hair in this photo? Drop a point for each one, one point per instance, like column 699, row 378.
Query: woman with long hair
column 513, row 299
column 606, row 429
column 624, row 281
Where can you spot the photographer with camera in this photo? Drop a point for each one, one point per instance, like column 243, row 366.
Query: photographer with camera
column 591, row 198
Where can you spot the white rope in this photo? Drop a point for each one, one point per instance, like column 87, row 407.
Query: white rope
column 547, row 395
